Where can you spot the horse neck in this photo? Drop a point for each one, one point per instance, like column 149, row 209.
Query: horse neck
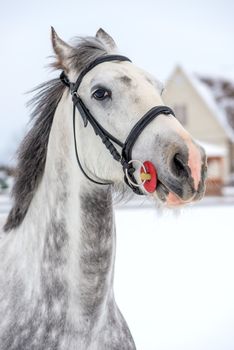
column 73, row 223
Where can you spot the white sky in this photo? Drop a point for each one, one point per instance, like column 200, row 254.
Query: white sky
column 154, row 34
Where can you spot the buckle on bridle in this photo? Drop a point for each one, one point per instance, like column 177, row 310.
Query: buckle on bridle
column 64, row 79
column 75, row 93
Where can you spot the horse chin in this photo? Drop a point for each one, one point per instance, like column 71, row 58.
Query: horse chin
column 169, row 198
column 174, row 201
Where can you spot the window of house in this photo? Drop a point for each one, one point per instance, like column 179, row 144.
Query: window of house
column 181, row 113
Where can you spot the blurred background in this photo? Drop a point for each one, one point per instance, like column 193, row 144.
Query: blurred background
column 174, row 272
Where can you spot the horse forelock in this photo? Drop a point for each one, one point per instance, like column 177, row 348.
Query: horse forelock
column 32, row 151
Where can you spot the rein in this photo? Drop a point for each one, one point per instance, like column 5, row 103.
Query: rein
column 125, row 157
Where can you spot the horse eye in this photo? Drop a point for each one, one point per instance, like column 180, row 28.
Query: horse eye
column 101, row 94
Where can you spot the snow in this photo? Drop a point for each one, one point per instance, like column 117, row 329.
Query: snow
column 174, row 274
column 174, row 277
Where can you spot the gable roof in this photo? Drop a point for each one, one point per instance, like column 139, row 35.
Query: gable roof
column 213, row 150
column 218, row 94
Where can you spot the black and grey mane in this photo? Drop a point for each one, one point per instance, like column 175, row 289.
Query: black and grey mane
column 32, row 151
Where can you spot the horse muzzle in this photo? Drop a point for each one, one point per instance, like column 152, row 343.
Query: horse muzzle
column 181, row 179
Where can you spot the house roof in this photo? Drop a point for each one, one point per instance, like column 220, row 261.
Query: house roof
column 213, row 150
column 218, row 94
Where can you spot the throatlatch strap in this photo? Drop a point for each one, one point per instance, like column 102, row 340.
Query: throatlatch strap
column 77, row 155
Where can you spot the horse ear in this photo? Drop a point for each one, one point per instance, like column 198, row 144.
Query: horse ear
column 62, row 50
column 106, row 39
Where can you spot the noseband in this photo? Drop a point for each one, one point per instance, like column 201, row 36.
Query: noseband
column 125, row 157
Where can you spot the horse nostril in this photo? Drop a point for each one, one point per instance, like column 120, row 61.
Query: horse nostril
column 179, row 166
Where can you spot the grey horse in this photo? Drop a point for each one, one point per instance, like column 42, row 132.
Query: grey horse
column 57, row 247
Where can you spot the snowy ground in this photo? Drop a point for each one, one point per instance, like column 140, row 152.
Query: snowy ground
column 174, row 279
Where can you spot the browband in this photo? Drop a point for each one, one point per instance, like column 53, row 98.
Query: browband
column 107, row 58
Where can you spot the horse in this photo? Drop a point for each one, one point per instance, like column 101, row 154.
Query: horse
column 93, row 130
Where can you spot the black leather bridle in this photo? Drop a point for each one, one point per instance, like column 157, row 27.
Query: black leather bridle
column 125, row 156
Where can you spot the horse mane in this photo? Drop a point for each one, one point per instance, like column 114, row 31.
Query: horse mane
column 31, row 154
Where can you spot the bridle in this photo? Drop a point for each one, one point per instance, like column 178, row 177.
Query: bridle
column 125, row 157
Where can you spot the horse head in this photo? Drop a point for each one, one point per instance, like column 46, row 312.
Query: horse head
column 116, row 93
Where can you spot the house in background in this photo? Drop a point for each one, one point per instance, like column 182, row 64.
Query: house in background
column 7, row 174
column 205, row 107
